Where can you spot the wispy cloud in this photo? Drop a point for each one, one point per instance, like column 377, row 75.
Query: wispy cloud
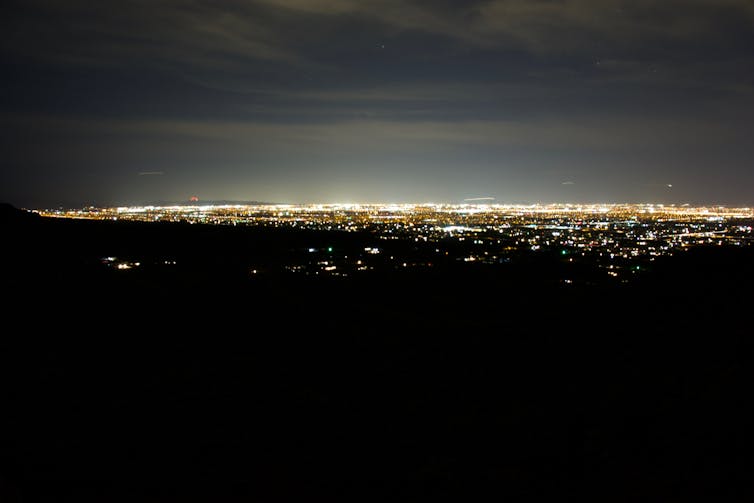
column 378, row 135
column 225, row 33
column 537, row 25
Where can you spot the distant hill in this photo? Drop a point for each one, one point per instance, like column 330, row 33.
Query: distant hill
column 9, row 213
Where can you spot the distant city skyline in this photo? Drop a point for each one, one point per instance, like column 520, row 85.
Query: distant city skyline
column 487, row 203
column 324, row 101
column 617, row 241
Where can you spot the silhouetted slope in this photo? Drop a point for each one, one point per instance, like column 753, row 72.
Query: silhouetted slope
column 198, row 383
column 10, row 215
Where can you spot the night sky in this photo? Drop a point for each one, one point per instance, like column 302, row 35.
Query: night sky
column 296, row 101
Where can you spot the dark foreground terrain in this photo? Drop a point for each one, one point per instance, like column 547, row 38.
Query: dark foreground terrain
column 198, row 382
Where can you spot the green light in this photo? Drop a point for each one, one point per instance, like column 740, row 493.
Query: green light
column 563, row 252
column 329, row 248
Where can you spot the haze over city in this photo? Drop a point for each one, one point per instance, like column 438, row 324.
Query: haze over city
column 328, row 101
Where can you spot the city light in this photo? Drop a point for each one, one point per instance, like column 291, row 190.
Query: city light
column 620, row 240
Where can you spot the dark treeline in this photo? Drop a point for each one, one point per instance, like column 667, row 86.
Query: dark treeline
column 200, row 382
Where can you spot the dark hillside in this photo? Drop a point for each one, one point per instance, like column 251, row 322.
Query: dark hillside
column 198, row 381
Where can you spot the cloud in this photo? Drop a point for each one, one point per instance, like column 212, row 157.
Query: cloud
column 201, row 35
column 314, row 156
column 303, row 58
column 542, row 26
column 376, row 136
column 228, row 33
